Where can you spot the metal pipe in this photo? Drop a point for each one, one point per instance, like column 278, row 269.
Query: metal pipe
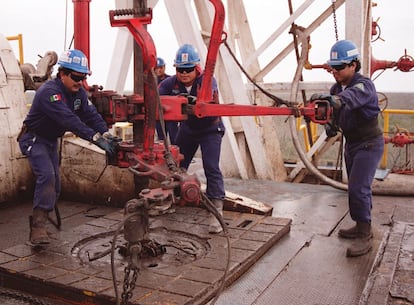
column 205, row 94
column 81, row 26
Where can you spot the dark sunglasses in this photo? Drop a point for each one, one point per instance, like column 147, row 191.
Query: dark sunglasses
column 186, row 70
column 77, row 78
column 339, row 67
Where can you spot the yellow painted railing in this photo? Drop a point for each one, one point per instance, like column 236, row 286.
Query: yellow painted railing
column 19, row 39
column 386, row 115
column 386, row 126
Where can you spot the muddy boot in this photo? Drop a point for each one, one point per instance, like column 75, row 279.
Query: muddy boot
column 363, row 244
column 38, row 233
column 357, row 231
column 214, row 225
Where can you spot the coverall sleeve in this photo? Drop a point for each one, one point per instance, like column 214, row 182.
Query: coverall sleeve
column 59, row 112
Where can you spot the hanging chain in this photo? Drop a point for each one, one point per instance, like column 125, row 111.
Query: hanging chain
column 129, row 285
column 334, row 18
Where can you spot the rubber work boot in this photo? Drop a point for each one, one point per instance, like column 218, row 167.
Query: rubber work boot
column 357, row 231
column 38, row 233
column 214, row 225
column 362, row 244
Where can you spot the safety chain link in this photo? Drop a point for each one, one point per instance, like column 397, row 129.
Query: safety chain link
column 129, row 284
column 334, row 18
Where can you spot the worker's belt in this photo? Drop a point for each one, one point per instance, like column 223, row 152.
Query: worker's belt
column 364, row 131
column 23, row 131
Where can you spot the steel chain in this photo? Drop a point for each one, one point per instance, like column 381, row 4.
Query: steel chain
column 129, row 285
column 334, row 19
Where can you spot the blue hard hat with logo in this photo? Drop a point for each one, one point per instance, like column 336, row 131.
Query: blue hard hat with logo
column 186, row 57
column 343, row 52
column 74, row 60
column 160, row 62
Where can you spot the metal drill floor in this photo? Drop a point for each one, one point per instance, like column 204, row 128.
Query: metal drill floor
column 391, row 280
column 307, row 266
column 190, row 272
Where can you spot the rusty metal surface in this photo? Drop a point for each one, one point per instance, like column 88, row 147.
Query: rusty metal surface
column 293, row 271
column 62, row 269
column 391, row 279
column 309, row 265
column 306, row 261
column 322, row 262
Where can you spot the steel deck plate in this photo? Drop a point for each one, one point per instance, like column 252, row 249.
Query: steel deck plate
column 391, row 279
column 56, row 272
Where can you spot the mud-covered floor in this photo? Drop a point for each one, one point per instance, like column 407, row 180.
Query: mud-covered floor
column 307, row 265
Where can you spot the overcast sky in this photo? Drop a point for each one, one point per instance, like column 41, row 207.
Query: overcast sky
column 47, row 25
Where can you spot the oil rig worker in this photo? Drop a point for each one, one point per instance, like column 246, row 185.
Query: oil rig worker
column 170, row 127
column 61, row 104
column 355, row 103
column 206, row 133
column 160, row 70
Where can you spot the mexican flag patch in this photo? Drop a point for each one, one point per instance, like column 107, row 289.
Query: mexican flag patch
column 55, row 98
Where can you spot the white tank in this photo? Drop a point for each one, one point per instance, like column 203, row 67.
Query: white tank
column 15, row 174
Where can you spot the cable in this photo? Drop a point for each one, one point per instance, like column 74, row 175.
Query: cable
column 278, row 101
column 66, row 25
column 212, row 209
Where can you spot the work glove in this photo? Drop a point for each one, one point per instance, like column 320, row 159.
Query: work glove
column 107, row 145
column 190, row 98
column 334, row 101
column 107, row 135
column 331, row 129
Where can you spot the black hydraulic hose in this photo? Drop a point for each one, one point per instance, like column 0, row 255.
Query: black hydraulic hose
column 212, row 209
column 171, row 163
column 278, row 101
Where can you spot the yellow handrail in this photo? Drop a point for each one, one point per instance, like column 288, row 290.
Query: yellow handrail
column 19, row 38
column 386, row 114
column 386, row 125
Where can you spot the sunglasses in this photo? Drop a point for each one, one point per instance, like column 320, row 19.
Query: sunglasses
column 186, row 70
column 339, row 67
column 77, row 78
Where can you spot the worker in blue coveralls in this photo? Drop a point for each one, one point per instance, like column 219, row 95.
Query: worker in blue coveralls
column 170, row 127
column 60, row 105
column 206, row 133
column 355, row 104
column 160, row 70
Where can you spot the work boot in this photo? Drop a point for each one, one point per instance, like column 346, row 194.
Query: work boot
column 360, row 247
column 360, row 230
column 363, row 243
column 38, row 233
column 214, row 225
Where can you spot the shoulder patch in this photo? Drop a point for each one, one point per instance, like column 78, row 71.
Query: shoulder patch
column 360, row 86
column 55, row 98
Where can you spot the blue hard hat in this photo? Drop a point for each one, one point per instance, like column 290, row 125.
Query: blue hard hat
column 186, row 57
column 74, row 60
column 343, row 52
column 160, row 62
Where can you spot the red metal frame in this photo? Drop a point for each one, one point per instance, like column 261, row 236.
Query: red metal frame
column 155, row 159
column 149, row 59
column 81, row 26
column 205, row 94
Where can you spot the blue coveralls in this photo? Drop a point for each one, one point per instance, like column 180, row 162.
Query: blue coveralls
column 171, row 127
column 194, row 132
column 358, row 119
column 53, row 112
